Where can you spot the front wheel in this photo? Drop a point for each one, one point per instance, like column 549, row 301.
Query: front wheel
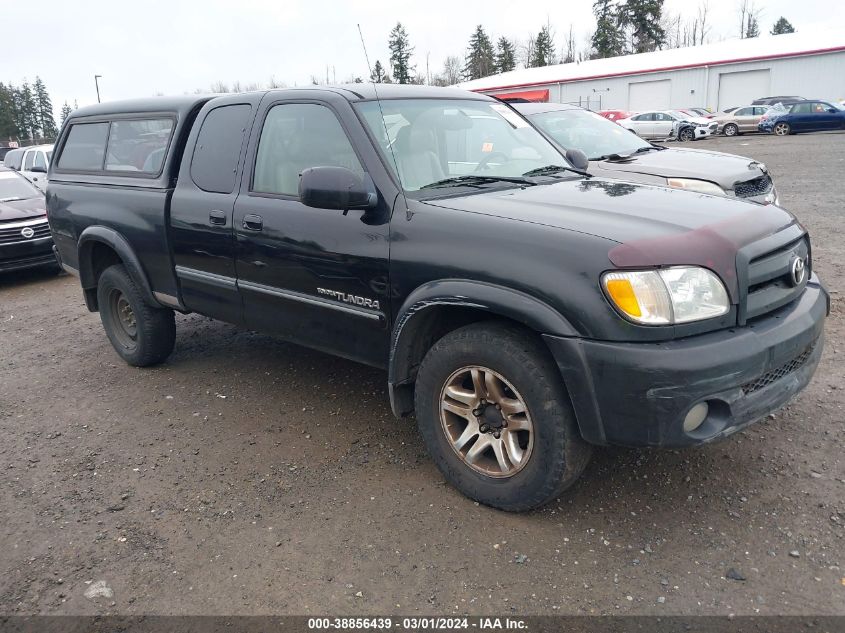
column 141, row 334
column 730, row 130
column 686, row 135
column 782, row 129
column 496, row 418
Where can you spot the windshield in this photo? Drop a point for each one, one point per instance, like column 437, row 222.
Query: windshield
column 437, row 139
column 591, row 133
column 14, row 187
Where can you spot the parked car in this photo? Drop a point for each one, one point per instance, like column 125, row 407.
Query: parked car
column 36, row 161
column 614, row 153
column 14, row 159
column 699, row 112
column 25, row 240
column 740, row 121
column 774, row 100
column 5, row 150
column 615, row 115
column 666, row 124
column 804, row 116
column 522, row 309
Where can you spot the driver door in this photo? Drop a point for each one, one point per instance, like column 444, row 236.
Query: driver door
column 318, row 277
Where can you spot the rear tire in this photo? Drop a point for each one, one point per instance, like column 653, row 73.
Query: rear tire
column 141, row 334
column 543, row 451
column 730, row 130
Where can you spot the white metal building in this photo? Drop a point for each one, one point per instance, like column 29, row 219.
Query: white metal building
column 717, row 76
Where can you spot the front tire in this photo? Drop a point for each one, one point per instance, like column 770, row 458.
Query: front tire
column 141, row 334
column 782, row 129
column 686, row 135
column 731, row 130
column 496, row 419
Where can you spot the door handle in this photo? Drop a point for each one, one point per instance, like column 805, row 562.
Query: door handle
column 253, row 222
column 218, row 217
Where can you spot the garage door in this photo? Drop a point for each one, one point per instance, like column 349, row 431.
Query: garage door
column 741, row 88
column 650, row 95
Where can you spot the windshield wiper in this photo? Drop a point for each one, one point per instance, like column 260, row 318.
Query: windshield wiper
column 553, row 169
column 476, row 180
column 619, row 157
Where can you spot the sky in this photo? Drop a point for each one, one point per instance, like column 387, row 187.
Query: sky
column 148, row 47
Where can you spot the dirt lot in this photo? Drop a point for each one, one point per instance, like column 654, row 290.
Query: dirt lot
column 249, row 476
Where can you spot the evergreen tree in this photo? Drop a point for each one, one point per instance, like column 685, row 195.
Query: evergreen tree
column 400, row 54
column 8, row 120
column 379, row 75
column 643, row 17
column 44, row 110
column 66, row 110
column 782, row 26
column 544, row 49
column 505, row 55
column 481, row 58
column 26, row 112
column 753, row 26
column 608, row 40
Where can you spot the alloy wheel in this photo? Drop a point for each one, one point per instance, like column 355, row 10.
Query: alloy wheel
column 730, row 130
column 486, row 421
column 782, row 129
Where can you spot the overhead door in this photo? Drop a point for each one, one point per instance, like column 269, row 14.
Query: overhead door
column 650, row 95
column 741, row 88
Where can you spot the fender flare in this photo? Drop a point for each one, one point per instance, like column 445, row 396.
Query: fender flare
column 113, row 239
column 507, row 302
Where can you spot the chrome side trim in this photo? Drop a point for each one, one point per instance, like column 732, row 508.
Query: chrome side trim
column 168, row 300
column 18, row 225
column 220, row 281
column 315, row 301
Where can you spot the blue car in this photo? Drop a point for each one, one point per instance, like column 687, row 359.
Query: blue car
column 804, row 116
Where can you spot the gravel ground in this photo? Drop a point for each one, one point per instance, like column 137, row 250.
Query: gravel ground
column 249, row 476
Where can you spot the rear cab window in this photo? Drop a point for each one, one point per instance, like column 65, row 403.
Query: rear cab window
column 133, row 146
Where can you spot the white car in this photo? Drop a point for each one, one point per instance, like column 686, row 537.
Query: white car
column 36, row 161
column 663, row 124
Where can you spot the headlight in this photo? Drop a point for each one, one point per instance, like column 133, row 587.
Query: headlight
column 691, row 184
column 664, row 297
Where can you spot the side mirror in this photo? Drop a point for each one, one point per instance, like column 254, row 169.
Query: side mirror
column 577, row 159
column 38, row 169
column 336, row 188
column 832, row 110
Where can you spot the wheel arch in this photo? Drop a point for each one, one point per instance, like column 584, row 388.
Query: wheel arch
column 100, row 247
column 437, row 308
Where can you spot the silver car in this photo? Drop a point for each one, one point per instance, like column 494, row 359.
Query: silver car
column 614, row 152
column 740, row 120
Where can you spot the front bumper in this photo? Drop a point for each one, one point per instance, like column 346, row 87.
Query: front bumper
column 28, row 254
column 638, row 394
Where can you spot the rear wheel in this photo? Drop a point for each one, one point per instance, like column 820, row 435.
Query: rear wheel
column 782, row 129
column 141, row 334
column 730, row 129
column 496, row 418
column 686, row 135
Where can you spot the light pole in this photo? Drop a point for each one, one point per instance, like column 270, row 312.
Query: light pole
column 97, row 84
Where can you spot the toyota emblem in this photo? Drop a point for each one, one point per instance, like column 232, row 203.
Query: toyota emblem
column 27, row 232
column 799, row 269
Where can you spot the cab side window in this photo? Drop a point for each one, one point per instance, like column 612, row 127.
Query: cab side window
column 40, row 160
column 214, row 164
column 29, row 160
column 297, row 136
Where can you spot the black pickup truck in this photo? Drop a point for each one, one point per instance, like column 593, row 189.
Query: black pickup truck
column 523, row 310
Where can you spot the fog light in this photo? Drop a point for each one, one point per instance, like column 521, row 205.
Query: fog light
column 696, row 416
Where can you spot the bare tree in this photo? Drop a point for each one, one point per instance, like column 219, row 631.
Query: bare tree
column 452, row 69
column 569, row 54
column 275, row 84
column 749, row 18
column 219, row 87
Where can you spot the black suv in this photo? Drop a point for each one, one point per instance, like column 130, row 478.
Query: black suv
column 523, row 310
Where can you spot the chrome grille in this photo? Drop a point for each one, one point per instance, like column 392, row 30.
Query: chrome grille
column 12, row 234
column 754, row 187
column 776, row 374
